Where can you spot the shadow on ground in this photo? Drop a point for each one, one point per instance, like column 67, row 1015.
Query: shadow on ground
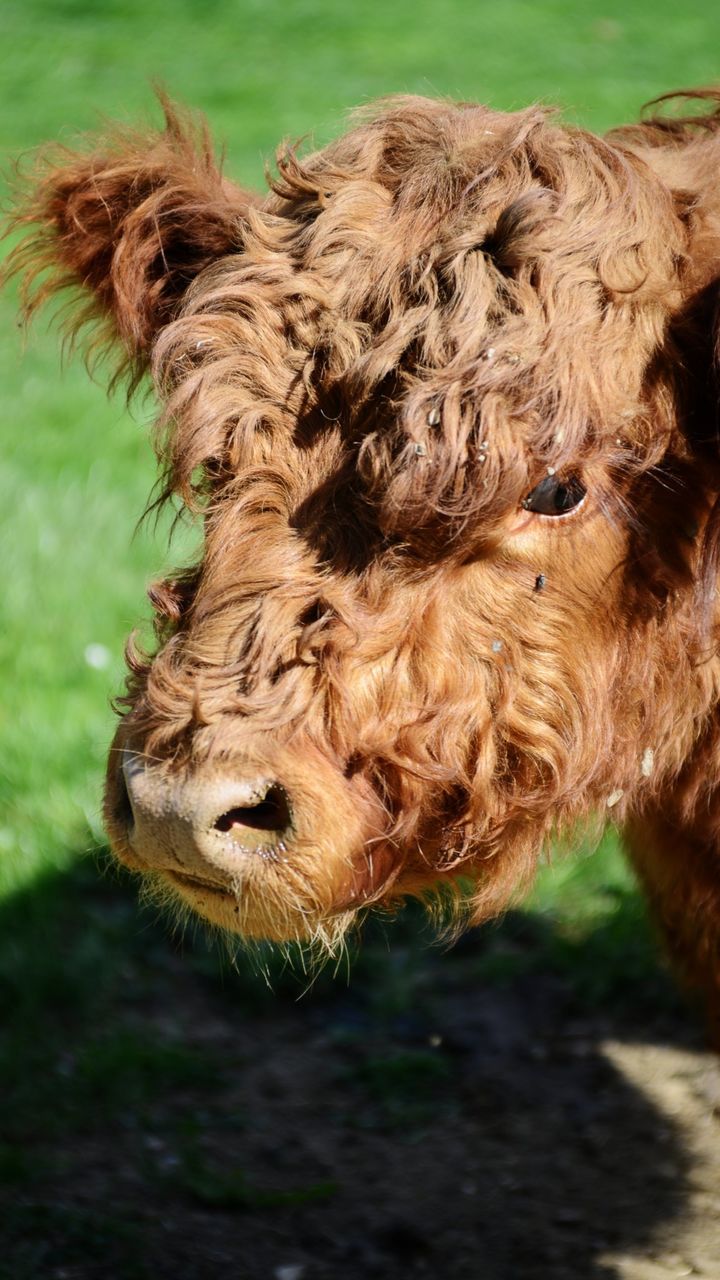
column 443, row 1113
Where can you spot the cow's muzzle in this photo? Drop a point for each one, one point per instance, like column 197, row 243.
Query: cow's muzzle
column 265, row 847
column 204, row 820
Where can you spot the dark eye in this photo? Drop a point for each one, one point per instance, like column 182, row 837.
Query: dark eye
column 555, row 496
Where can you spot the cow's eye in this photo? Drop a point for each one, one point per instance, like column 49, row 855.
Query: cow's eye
column 555, row 496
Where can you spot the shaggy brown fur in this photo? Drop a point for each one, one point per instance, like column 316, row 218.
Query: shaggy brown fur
column 416, row 667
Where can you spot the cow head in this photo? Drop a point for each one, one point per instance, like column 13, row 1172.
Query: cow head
column 443, row 403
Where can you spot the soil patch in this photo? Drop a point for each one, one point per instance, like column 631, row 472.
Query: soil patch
column 479, row 1113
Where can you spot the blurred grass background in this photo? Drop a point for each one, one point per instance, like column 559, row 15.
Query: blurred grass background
column 75, row 469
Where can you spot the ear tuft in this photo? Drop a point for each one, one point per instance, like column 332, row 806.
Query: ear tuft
column 131, row 220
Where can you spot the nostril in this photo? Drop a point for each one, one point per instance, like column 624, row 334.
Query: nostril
column 270, row 812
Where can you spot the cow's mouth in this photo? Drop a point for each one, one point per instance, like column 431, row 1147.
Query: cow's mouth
column 199, row 887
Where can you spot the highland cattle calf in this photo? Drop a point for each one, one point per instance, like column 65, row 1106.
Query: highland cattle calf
column 446, row 400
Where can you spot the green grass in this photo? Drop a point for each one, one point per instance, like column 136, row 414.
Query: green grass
column 37, row 1235
column 76, row 469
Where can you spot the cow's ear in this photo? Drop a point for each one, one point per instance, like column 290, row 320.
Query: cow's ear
column 129, row 223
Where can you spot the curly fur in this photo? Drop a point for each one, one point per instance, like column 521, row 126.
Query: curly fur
column 362, row 376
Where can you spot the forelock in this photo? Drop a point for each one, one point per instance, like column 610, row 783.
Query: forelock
column 422, row 305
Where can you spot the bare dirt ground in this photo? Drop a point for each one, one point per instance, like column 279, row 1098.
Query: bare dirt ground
column 480, row 1113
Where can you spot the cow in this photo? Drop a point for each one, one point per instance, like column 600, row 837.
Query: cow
column 445, row 401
